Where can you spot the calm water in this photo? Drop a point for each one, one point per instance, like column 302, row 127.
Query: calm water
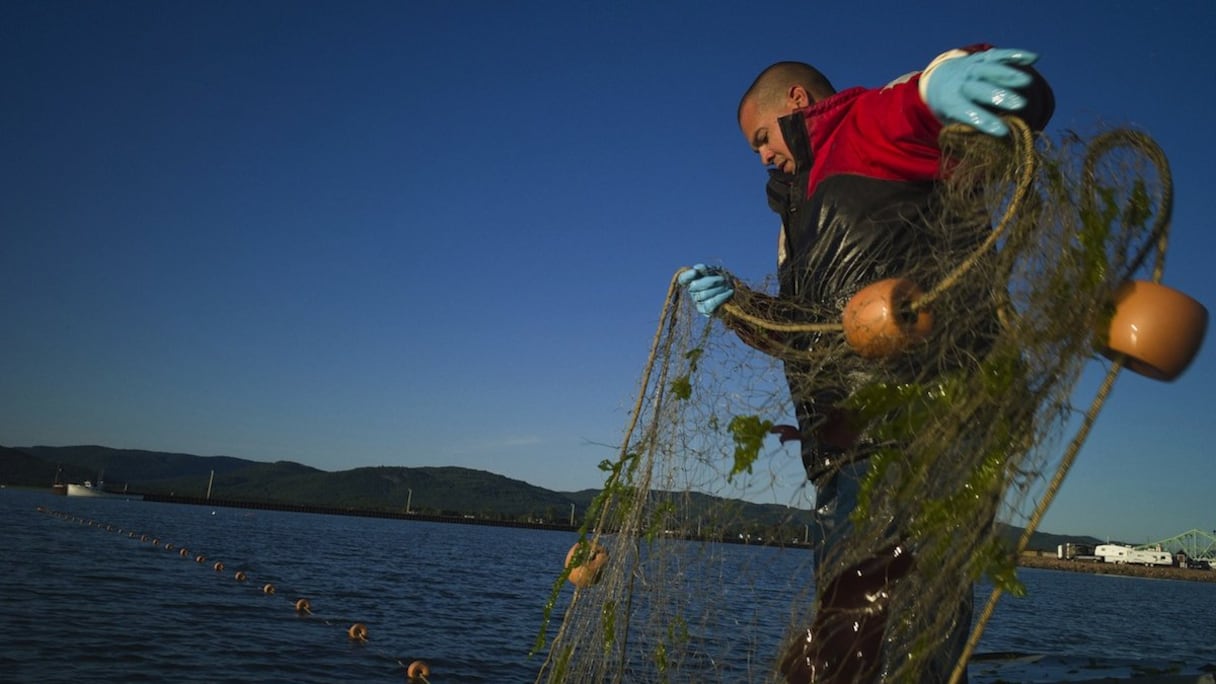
column 80, row 603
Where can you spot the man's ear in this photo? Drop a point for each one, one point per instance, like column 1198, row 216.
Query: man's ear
column 797, row 98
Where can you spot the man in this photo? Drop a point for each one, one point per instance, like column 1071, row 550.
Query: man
column 853, row 176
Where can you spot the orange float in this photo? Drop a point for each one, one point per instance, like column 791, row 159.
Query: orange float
column 879, row 321
column 219, row 566
column 240, row 576
column 357, row 631
column 418, row 671
column 184, row 553
column 303, row 607
column 268, row 588
column 200, row 558
column 588, row 571
column 1157, row 328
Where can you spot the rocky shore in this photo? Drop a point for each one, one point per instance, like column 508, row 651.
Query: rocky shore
column 1047, row 561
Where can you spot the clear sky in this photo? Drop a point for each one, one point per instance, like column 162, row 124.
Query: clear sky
column 439, row 233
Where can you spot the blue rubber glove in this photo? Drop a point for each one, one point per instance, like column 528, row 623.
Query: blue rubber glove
column 967, row 89
column 709, row 287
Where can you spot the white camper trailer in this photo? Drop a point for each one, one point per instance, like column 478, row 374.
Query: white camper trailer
column 1117, row 553
column 1112, row 553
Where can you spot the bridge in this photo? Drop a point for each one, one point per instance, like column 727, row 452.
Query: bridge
column 1197, row 544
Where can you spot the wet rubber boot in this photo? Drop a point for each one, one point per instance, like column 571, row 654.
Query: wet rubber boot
column 843, row 643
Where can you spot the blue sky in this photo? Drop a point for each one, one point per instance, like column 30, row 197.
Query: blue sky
column 439, row 233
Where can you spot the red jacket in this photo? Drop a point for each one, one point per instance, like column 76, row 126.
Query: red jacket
column 874, row 162
column 885, row 134
column 859, row 214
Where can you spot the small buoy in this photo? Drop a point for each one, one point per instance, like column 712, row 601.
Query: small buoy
column 239, row 576
column 268, row 588
column 219, row 566
column 879, row 321
column 130, row 535
column 588, row 572
column 357, row 631
column 1157, row 328
column 303, row 606
column 143, row 538
column 184, row 552
column 200, row 558
column 156, row 541
column 418, row 671
column 169, row 546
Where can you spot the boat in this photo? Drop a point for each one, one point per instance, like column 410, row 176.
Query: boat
column 98, row 490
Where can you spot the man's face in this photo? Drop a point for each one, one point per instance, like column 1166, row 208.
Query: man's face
column 763, row 133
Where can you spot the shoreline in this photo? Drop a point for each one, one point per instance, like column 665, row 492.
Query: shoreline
column 1039, row 560
column 1036, row 559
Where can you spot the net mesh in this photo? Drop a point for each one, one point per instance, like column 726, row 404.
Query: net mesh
column 958, row 433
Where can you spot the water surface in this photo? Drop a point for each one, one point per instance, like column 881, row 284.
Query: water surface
column 79, row 602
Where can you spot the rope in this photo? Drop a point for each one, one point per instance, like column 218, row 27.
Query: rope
column 659, row 347
column 636, row 446
column 1143, row 144
column 1053, row 488
column 1022, row 139
column 1101, row 145
column 1023, row 144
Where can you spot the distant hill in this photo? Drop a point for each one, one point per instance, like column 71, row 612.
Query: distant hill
column 434, row 490
column 1045, row 541
column 443, row 489
column 17, row 467
column 135, row 465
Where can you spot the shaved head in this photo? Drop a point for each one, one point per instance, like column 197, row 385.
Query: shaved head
column 772, row 87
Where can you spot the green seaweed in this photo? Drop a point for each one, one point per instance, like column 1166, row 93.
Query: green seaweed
column 749, row 433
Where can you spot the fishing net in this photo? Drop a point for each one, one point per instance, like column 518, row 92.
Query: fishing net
column 954, row 427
